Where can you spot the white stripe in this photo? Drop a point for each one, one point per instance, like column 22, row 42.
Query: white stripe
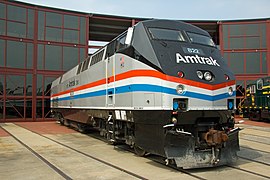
column 150, row 81
column 115, row 108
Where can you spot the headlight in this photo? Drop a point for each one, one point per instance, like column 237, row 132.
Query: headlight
column 207, row 76
column 200, row 74
column 230, row 91
column 180, row 89
column 174, row 120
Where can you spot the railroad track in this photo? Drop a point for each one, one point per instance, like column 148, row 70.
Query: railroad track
column 189, row 172
column 160, row 161
column 53, row 167
column 266, row 129
column 56, row 169
column 249, row 171
column 96, row 136
column 154, row 158
column 252, row 149
column 257, row 141
column 196, row 174
column 252, row 160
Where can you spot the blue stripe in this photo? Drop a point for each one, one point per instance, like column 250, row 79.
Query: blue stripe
column 148, row 88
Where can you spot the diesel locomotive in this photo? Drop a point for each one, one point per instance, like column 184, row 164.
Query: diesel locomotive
column 161, row 87
column 256, row 104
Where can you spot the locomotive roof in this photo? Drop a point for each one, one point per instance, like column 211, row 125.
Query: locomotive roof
column 142, row 43
column 173, row 24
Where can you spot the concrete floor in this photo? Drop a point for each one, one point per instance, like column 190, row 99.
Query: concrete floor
column 17, row 162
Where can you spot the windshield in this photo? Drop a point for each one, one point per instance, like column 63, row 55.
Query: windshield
column 200, row 39
column 166, row 34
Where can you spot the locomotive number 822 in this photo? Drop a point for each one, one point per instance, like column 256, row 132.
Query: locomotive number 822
column 161, row 87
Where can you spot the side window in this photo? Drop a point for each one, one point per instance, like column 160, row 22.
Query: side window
column 110, row 49
column 97, row 58
column 86, row 64
column 260, row 84
column 61, row 79
column 253, row 89
column 79, row 68
column 121, row 42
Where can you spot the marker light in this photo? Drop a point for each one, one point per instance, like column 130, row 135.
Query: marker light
column 180, row 74
column 230, row 91
column 207, row 76
column 226, row 77
column 180, row 89
column 175, row 105
column 230, row 105
column 200, row 74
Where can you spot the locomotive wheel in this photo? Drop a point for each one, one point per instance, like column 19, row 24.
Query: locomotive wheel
column 139, row 151
column 81, row 127
column 62, row 120
column 66, row 122
column 255, row 116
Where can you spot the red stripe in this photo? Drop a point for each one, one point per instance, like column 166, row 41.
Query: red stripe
column 199, row 84
column 149, row 73
column 93, row 84
column 157, row 74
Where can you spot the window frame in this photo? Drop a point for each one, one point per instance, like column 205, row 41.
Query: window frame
column 259, row 84
column 188, row 33
column 119, row 45
column 252, row 89
column 157, row 39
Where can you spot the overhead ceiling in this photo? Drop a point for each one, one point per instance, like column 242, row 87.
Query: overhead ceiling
column 106, row 27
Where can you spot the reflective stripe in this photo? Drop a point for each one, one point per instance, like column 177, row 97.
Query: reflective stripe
column 148, row 88
column 148, row 73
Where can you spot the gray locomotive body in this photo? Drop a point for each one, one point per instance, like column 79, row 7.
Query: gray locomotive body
column 160, row 87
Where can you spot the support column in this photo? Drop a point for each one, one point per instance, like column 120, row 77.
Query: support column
column 268, row 46
column 133, row 22
column 35, row 60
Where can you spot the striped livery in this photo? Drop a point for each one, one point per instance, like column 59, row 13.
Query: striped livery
column 161, row 87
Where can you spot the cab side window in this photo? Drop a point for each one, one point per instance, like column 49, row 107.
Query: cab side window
column 110, row 49
column 253, row 89
column 120, row 42
column 260, row 84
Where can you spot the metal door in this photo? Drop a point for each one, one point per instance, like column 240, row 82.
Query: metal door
column 110, row 81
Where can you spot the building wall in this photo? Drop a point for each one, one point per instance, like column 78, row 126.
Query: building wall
column 246, row 50
column 36, row 46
